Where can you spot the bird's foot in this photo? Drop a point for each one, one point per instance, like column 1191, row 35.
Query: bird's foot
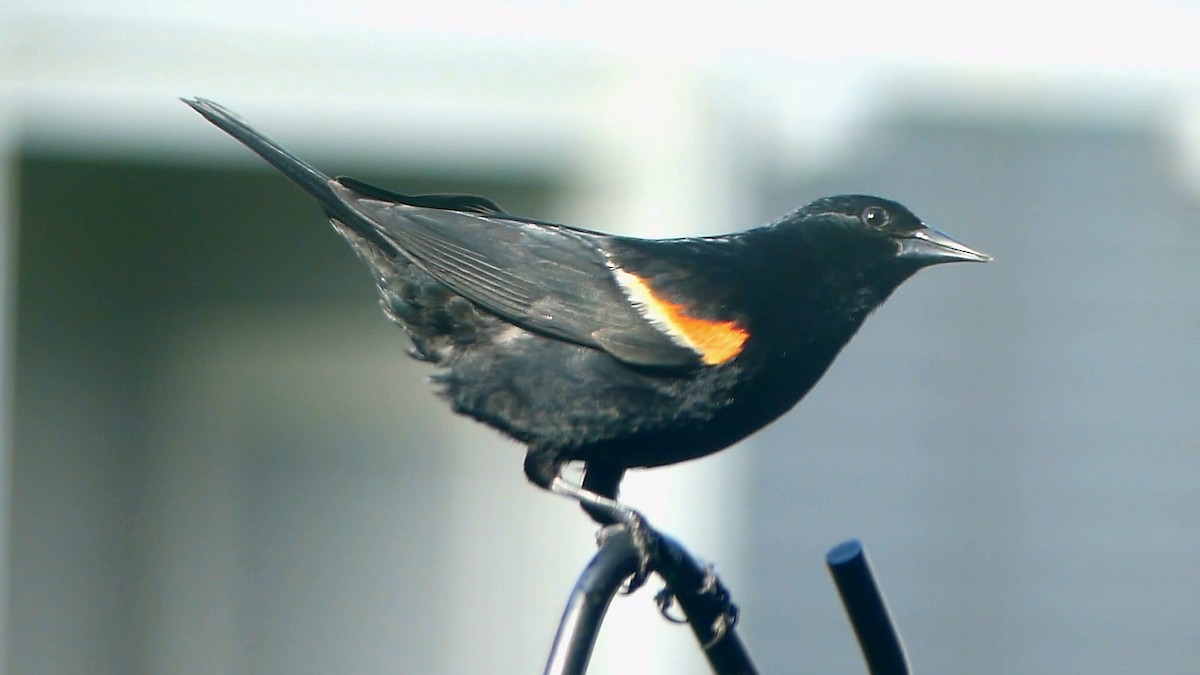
column 727, row 617
column 704, row 593
column 711, row 592
column 645, row 541
column 645, row 538
column 665, row 600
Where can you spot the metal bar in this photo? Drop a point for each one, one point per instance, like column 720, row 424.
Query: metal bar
column 708, row 606
column 877, row 637
column 616, row 560
column 700, row 595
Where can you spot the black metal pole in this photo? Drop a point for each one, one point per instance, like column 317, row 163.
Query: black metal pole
column 877, row 637
column 700, row 595
column 616, row 560
column 710, row 610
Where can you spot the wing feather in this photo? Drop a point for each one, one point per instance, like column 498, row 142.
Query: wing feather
column 547, row 278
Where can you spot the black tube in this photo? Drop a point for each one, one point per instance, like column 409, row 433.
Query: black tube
column 700, row 595
column 710, row 611
column 877, row 637
column 616, row 560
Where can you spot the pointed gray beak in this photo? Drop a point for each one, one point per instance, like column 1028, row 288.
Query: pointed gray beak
column 927, row 246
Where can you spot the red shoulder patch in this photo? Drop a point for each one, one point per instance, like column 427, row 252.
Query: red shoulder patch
column 715, row 342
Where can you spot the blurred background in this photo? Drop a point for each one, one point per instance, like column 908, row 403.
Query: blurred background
column 217, row 458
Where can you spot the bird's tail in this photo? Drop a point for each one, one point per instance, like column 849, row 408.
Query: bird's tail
column 300, row 172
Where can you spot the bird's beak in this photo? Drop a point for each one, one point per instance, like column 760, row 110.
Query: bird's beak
column 930, row 247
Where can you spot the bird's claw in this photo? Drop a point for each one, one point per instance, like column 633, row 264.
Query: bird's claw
column 722, row 625
column 656, row 554
column 711, row 586
column 728, row 616
column 665, row 600
column 645, row 541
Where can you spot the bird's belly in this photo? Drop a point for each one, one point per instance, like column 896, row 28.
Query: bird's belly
column 565, row 397
column 580, row 403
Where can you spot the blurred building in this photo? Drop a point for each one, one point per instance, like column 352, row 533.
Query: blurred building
column 220, row 461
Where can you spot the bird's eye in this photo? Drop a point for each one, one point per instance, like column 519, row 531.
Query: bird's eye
column 875, row 216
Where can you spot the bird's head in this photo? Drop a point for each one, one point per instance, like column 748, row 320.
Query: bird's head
column 883, row 229
column 852, row 251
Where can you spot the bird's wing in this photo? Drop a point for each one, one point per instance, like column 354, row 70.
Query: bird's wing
column 546, row 278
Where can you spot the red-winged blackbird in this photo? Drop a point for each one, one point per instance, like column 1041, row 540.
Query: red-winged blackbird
column 615, row 351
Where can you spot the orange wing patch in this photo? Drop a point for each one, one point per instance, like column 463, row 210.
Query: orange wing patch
column 714, row 341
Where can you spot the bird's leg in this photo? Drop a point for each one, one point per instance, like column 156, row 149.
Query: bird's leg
column 611, row 508
column 604, row 480
column 645, row 538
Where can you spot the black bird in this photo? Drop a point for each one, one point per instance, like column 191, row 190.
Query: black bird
column 617, row 351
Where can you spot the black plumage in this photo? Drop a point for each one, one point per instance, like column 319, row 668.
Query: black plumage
column 617, row 351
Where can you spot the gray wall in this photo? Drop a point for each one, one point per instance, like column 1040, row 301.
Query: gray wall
column 1016, row 444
